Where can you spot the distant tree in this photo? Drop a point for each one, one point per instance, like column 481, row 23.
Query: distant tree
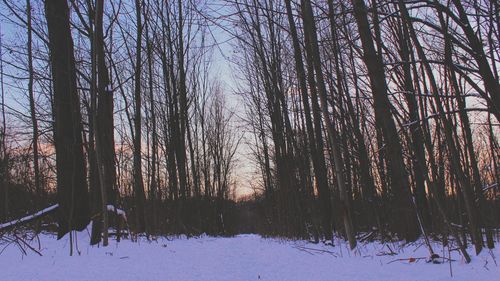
column 138, row 181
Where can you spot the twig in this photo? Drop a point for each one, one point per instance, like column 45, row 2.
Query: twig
column 449, row 261
column 27, row 245
column 407, row 259
column 317, row 250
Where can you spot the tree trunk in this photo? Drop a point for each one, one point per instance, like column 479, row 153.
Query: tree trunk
column 72, row 190
column 463, row 182
column 140, row 197
column 105, row 145
column 333, row 136
column 415, row 130
column 490, row 82
column 405, row 219
column 34, row 121
column 4, row 171
column 315, row 141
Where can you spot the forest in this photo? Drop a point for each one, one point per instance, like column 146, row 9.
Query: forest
column 368, row 120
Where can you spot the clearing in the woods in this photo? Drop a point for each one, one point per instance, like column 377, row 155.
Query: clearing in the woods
column 244, row 257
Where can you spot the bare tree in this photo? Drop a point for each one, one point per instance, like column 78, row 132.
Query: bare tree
column 71, row 183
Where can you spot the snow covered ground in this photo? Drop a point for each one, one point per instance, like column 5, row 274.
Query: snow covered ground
column 245, row 257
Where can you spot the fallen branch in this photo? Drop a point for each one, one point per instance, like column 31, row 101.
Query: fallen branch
column 434, row 258
column 306, row 249
column 32, row 217
column 391, row 253
column 27, row 245
column 367, row 236
column 492, row 186
column 410, row 260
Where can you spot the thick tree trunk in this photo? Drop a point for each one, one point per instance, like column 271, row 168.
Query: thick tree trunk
column 183, row 111
column 468, row 143
column 333, row 136
column 153, row 183
column 72, row 190
column 405, row 219
column 415, row 130
column 463, row 181
column 315, row 141
column 104, row 125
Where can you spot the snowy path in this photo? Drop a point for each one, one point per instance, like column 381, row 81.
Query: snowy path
column 246, row 257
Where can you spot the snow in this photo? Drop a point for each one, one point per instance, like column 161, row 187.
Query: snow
column 244, row 257
column 30, row 217
column 119, row 212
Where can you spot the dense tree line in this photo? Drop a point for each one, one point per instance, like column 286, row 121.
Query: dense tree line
column 128, row 86
column 366, row 119
column 381, row 94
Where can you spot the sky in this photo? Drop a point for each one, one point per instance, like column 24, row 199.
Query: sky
column 17, row 101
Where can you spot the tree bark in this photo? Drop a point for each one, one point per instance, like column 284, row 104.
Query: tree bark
column 104, row 125
column 72, row 193
column 333, row 136
column 405, row 220
column 34, row 121
column 140, row 197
